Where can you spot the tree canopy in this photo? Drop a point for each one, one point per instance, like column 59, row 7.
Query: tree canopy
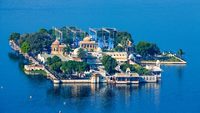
column 122, row 38
column 146, row 48
column 70, row 67
column 135, row 68
column 67, row 49
column 82, row 53
column 39, row 41
column 109, row 64
column 53, row 60
column 56, row 67
column 141, row 70
column 25, row 47
column 43, row 30
column 67, row 67
column 14, row 36
column 123, row 67
column 180, row 53
column 119, row 48
column 54, row 63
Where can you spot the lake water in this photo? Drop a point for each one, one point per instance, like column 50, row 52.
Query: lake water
column 172, row 24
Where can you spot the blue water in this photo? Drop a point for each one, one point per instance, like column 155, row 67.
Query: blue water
column 172, row 24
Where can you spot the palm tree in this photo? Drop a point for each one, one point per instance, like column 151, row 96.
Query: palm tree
column 180, row 53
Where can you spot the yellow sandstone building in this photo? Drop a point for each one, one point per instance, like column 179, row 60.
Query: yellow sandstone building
column 57, row 48
column 120, row 57
column 88, row 44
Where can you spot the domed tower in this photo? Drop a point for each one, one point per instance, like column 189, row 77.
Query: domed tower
column 88, row 44
column 57, row 48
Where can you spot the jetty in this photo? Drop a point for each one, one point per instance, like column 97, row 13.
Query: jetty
column 180, row 62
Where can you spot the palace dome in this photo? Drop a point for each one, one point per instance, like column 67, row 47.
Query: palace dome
column 87, row 38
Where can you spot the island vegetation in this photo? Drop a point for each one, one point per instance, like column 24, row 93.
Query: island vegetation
column 109, row 64
column 67, row 67
column 40, row 42
column 147, row 49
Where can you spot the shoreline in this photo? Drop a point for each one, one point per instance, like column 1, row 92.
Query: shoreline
column 181, row 62
column 49, row 75
column 164, row 63
column 95, row 78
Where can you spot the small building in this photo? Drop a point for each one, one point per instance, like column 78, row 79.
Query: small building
column 57, row 48
column 119, row 56
column 33, row 67
column 88, row 44
column 126, row 78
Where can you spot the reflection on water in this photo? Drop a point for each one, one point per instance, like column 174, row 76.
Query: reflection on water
column 16, row 57
column 107, row 91
column 154, row 90
column 104, row 96
column 180, row 71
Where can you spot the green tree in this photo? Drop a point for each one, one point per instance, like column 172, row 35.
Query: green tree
column 141, row 70
column 56, row 59
column 14, row 36
column 67, row 40
column 22, row 39
column 25, row 48
column 123, row 38
column 56, row 67
column 146, row 48
column 180, row 53
column 53, row 60
column 49, row 61
column 67, row 67
column 82, row 53
column 119, row 48
column 52, row 33
column 83, row 66
column 43, row 30
column 123, row 67
column 39, row 41
column 67, row 36
column 67, row 49
column 73, row 66
column 109, row 64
